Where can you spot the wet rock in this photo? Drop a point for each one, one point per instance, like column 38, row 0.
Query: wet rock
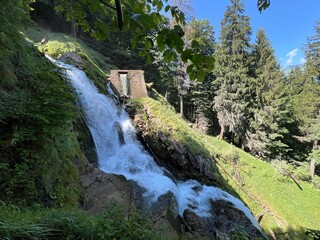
column 102, row 189
column 72, row 58
column 193, row 225
column 165, row 216
column 225, row 223
column 228, row 219
column 120, row 133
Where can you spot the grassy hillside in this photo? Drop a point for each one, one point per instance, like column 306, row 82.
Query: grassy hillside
column 258, row 183
column 96, row 65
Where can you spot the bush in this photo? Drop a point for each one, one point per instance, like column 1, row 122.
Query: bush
column 116, row 224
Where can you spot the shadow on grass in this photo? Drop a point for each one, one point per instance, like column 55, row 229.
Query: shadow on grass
column 293, row 234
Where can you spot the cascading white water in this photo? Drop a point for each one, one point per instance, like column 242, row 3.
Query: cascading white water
column 119, row 152
column 124, row 84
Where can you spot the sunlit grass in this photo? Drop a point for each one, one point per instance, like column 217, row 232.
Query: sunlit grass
column 96, row 65
column 266, row 190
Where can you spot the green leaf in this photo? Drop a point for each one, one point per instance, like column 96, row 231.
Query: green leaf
column 167, row 8
column 142, row 53
column 200, row 75
column 195, row 44
column 161, row 47
column 186, row 55
column 190, row 68
column 134, row 43
column 148, row 43
column 59, row 8
column 263, row 4
column 160, row 39
column 167, row 55
column 155, row 2
column 159, row 5
column 197, row 59
column 149, row 8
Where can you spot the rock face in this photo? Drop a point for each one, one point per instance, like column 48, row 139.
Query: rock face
column 73, row 58
column 102, row 189
column 173, row 155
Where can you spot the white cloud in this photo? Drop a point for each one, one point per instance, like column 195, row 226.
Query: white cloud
column 291, row 55
column 303, row 60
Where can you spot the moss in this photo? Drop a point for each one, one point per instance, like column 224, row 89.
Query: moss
column 96, row 65
column 37, row 144
column 85, row 140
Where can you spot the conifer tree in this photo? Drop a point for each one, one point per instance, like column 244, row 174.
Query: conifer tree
column 305, row 91
column 232, row 100
column 201, row 33
column 272, row 113
column 312, row 52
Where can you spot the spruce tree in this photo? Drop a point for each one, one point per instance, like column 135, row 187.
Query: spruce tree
column 233, row 97
column 200, row 33
column 312, row 52
column 305, row 91
column 272, row 113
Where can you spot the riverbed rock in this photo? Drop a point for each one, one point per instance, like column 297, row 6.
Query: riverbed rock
column 165, row 216
column 225, row 222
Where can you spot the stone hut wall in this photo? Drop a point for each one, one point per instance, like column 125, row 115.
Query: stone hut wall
column 136, row 86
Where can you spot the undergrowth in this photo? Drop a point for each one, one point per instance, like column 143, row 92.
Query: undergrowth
column 65, row 223
column 36, row 119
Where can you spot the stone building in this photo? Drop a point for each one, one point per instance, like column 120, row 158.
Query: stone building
column 128, row 83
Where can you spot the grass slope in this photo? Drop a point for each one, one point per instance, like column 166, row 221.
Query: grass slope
column 96, row 65
column 264, row 189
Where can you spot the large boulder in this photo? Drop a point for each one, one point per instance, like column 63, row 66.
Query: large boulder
column 225, row 222
column 103, row 189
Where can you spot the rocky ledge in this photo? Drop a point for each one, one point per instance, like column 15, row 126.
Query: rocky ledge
column 173, row 155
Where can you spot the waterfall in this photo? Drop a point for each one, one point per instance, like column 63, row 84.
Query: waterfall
column 121, row 153
column 124, row 84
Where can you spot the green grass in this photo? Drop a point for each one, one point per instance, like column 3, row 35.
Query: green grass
column 69, row 223
column 96, row 65
column 265, row 187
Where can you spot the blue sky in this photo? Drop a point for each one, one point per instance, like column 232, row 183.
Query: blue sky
column 287, row 23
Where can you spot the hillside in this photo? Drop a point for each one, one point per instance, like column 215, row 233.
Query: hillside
column 263, row 188
column 284, row 206
column 57, row 122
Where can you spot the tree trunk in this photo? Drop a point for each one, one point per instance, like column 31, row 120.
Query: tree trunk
column 222, row 131
column 313, row 161
column 73, row 29
column 166, row 96
column 181, row 105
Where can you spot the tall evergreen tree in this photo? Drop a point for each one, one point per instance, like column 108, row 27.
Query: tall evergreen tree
column 201, row 33
column 312, row 52
column 232, row 100
column 305, row 90
column 272, row 113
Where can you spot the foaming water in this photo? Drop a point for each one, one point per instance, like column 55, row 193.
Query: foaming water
column 119, row 152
